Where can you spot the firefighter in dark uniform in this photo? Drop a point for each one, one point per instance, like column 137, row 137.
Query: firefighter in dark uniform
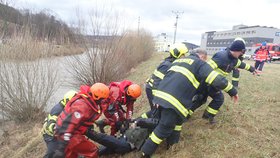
column 174, row 96
column 222, row 62
column 236, row 72
column 176, row 51
column 50, row 121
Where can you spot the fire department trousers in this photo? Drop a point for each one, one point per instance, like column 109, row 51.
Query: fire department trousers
column 213, row 107
column 150, row 96
column 164, row 130
column 51, row 143
column 110, row 144
column 259, row 65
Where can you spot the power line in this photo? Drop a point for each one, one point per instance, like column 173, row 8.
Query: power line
column 177, row 13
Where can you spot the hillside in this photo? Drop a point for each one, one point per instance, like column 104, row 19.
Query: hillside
column 42, row 25
column 249, row 129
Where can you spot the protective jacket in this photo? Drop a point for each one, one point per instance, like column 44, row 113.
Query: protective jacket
column 115, row 114
column 181, row 83
column 159, row 73
column 223, row 63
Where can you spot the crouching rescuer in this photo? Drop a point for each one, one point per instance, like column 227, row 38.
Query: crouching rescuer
column 174, row 97
column 78, row 115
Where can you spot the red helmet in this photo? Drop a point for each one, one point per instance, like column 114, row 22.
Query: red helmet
column 134, row 90
column 99, row 91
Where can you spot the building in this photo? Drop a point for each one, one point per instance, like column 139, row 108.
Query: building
column 190, row 46
column 162, row 42
column 214, row 41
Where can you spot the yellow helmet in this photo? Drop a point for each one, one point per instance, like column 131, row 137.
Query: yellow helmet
column 68, row 96
column 178, row 49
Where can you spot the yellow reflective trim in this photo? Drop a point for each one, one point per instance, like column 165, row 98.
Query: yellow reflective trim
column 172, row 100
column 220, row 71
column 229, row 87
column 147, row 80
column 190, row 112
column 152, row 80
column 158, row 74
column 211, row 77
column 186, row 73
column 63, row 103
column 155, row 139
column 235, row 79
column 188, row 61
column 150, row 84
column 52, row 117
column 238, row 63
column 247, row 67
column 178, row 128
column 144, row 115
column 212, row 111
column 213, row 64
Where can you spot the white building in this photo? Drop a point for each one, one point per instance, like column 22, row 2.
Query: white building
column 162, row 42
column 214, row 41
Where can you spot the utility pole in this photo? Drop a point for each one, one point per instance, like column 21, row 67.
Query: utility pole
column 177, row 13
column 138, row 25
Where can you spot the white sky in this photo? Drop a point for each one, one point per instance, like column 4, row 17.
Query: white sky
column 157, row 17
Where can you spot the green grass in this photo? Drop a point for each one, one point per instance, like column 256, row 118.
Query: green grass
column 249, row 129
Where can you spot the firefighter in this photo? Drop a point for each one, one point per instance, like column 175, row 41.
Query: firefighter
column 50, row 121
column 261, row 55
column 236, row 71
column 122, row 93
column 176, row 51
column 78, row 115
column 222, row 62
column 174, row 96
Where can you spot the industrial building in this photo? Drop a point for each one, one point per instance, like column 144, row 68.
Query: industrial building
column 214, row 41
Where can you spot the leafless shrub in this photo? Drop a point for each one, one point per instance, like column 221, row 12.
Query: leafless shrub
column 26, row 82
column 111, row 50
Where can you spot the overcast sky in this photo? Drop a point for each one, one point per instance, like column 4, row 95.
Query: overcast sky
column 156, row 15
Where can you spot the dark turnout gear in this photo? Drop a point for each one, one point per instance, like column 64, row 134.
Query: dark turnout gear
column 175, row 93
column 165, row 129
column 223, row 62
column 50, row 121
column 236, row 74
column 176, row 51
column 157, row 76
column 182, row 81
column 235, row 77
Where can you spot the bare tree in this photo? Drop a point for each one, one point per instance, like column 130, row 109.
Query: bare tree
column 111, row 50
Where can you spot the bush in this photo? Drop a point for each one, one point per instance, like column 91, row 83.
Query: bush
column 110, row 53
column 26, row 82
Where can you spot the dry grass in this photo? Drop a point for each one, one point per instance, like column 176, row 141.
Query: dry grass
column 248, row 129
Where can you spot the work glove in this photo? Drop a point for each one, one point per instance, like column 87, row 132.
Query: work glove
column 252, row 69
column 100, row 124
